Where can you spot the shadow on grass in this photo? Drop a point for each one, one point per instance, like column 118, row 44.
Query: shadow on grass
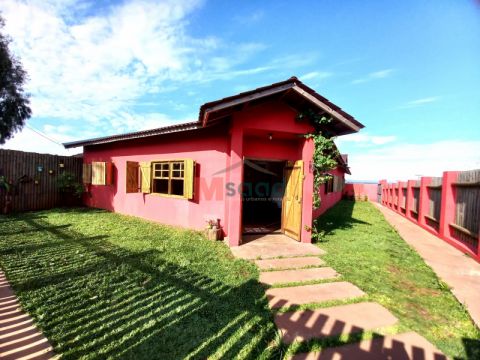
column 94, row 299
column 338, row 217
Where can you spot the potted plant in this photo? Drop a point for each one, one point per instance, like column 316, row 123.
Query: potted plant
column 7, row 194
column 213, row 230
column 70, row 188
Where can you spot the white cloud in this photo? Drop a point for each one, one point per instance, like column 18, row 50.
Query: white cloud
column 319, row 75
column 422, row 101
column 40, row 142
column 403, row 161
column 380, row 74
column 95, row 68
column 364, row 139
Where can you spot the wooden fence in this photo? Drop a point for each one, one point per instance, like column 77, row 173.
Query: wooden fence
column 447, row 206
column 35, row 178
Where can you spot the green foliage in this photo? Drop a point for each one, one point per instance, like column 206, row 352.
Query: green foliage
column 106, row 286
column 368, row 252
column 68, row 183
column 4, row 184
column 14, row 102
column 325, row 152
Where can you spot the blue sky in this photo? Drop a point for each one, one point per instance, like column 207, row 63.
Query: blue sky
column 409, row 70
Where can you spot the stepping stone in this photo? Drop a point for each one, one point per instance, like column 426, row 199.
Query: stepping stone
column 299, row 275
column 397, row 347
column 273, row 246
column 289, row 263
column 298, row 295
column 337, row 320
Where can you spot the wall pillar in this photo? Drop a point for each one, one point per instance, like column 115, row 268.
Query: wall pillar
column 423, row 202
column 409, row 201
column 383, row 186
column 447, row 211
column 401, row 185
column 307, row 198
column 236, row 178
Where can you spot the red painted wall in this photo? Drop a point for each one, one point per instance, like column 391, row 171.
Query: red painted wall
column 360, row 190
column 442, row 228
column 330, row 199
column 214, row 150
column 208, row 149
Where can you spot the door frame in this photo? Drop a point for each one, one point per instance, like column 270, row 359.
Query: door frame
column 253, row 158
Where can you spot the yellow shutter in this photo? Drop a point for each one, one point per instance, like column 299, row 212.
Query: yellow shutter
column 189, row 178
column 87, row 173
column 146, row 174
column 98, row 173
column 132, row 177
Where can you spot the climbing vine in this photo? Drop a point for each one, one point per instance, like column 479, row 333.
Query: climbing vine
column 325, row 152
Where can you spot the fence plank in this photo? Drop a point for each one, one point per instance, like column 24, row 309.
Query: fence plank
column 31, row 196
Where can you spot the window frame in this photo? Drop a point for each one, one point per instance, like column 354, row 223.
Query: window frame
column 169, row 178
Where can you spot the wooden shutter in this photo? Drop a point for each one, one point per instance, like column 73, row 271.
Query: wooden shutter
column 132, row 177
column 189, row 178
column 146, row 175
column 109, row 173
column 98, row 173
column 87, row 173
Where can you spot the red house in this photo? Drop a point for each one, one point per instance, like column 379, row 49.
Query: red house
column 245, row 163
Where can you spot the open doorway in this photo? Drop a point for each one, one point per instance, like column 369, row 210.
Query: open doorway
column 262, row 196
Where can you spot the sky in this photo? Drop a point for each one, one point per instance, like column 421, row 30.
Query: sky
column 408, row 70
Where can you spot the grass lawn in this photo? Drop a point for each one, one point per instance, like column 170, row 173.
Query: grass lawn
column 368, row 252
column 104, row 285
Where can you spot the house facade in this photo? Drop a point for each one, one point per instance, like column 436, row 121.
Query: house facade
column 245, row 164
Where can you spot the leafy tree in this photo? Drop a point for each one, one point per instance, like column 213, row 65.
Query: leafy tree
column 14, row 102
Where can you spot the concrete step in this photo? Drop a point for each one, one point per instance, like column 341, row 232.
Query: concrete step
column 289, row 263
column 298, row 275
column 336, row 320
column 273, row 246
column 305, row 294
column 406, row 346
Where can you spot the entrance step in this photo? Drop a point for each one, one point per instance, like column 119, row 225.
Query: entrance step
column 271, row 246
column 299, row 295
column 337, row 320
column 298, row 275
column 289, row 263
column 406, row 346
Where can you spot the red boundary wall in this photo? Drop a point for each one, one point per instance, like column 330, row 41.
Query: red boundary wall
column 360, row 191
column 411, row 199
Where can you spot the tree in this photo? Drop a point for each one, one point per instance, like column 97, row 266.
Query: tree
column 14, row 102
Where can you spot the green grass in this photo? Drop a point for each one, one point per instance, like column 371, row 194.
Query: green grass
column 368, row 252
column 103, row 285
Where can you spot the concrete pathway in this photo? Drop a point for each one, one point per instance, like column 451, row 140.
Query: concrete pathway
column 19, row 338
column 273, row 246
column 398, row 347
column 335, row 320
column 304, row 325
column 306, row 294
column 459, row 271
column 289, row 263
column 300, row 275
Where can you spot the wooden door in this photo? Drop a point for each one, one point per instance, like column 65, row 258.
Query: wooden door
column 292, row 200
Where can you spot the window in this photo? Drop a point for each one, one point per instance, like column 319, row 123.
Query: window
column 169, row 178
column 329, row 185
column 172, row 177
